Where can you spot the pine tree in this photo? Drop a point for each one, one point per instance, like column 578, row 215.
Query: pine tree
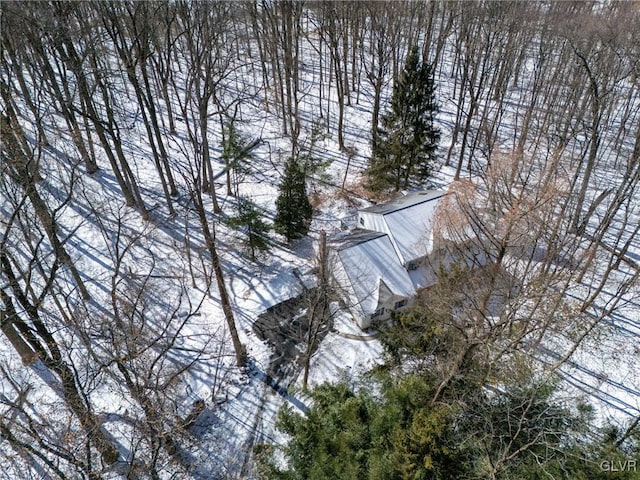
column 405, row 149
column 249, row 220
column 236, row 153
column 293, row 215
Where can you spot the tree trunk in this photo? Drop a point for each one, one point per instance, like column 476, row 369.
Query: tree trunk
column 19, row 172
column 579, row 221
column 209, row 237
column 51, row 357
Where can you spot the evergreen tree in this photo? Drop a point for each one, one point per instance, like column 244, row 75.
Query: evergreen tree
column 391, row 429
column 249, row 219
column 293, row 215
column 405, row 148
column 237, row 152
column 352, row 435
column 401, row 423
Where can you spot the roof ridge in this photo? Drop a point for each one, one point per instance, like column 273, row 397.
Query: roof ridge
column 357, row 241
column 430, row 195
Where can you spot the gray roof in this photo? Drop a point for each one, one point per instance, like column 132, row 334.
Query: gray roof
column 406, row 201
column 370, row 263
column 353, row 238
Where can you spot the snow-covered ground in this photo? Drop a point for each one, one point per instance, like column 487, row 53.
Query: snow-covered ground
column 241, row 408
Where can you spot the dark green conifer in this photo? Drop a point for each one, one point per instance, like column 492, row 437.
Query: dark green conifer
column 405, row 149
column 249, row 220
column 293, row 210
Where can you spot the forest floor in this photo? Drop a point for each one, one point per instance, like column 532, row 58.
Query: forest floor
column 269, row 299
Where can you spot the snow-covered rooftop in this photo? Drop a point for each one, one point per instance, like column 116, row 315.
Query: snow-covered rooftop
column 409, row 200
column 407, row 220
column 355, row 237
column 370, row 260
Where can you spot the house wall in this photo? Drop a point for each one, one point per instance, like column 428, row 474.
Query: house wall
column 389, row 307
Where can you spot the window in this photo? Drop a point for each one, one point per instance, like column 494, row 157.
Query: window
column 400, row 304
column 377, row 313
column 362, row 221
column 412, row 266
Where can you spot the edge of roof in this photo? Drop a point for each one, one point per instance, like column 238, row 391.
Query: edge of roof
column 389, row 207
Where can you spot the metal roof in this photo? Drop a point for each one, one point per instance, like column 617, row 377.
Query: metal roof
column 369, row 263
column 406, row 201
column 354, row 237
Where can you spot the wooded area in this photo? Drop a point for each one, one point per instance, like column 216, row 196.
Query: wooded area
column 542, row 132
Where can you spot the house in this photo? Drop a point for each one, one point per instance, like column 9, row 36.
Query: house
column 408, row 221
column 373, row 281
column 379, row 265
